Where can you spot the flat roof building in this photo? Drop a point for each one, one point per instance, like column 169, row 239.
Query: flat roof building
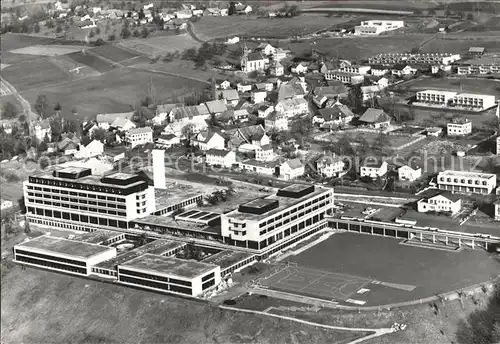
column 73, row 198
column 468, row 101
column 467, row 182
column 62, row 254
column 273, row 222
column 167, row 274
column 459, row 127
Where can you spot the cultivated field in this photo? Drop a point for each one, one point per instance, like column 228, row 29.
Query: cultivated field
column 92, row 61
column 377, row 5
column 114, row 53
column 34, row 75
column 44, row 307
column 11, row 41
column 385, row 260
column 160, row 45
column 115, row 91
column 208, row 28
column 47, row 50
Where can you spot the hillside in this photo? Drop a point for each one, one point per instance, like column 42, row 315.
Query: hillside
column 44, row 307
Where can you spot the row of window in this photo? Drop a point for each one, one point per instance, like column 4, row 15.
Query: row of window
column 237, row 266
column 154, row 277
column 76, row 207
column 90, row 187
column 77, row 200
column 76, row 217
column 179, row 205
column 52, row 265
column 79, row 194
column 47, row 257
column 208, row 284
column 156, row 285
column 463, row 181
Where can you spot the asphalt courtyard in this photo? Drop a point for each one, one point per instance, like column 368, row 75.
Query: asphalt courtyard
column 367, row 270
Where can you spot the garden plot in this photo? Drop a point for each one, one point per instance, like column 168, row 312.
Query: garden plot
column 47, row 50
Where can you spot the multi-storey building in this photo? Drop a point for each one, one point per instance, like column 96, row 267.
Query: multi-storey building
column 354, row 69
column 443, row 201
column 435, row 97
column 485, row 65
column 346, row 78
column 330, row 166
column 459, row 127
column 497, row 210
column 467, row 182
column 254, row 61
column 139, row 136
column 275, row 221
column 420, row 58
column 75, row 199
column 454, row 99
column 376, row 27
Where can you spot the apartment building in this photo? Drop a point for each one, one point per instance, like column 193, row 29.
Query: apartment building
column 467, row 182
column 484, row 65
column 376, row 27
column 273, row 222
column 459, row 127
column 354, row 69
column 73, row 198
column 373, row 170
column 58, row 254
column 443, row 201
column 346, row 78
column 220, row 157
column 420, row 58
column 330, row 166
column 139, row 136
column 474, row 101
column 435, row 97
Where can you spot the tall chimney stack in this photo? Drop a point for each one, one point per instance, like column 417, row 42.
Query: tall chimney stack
column 159, row 168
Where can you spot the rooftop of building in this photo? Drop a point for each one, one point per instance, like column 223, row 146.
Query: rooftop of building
column 157, row 247
column 97, row 237
column 171, row 196
column 167, row 221
column 447, row 194
column 60, row 246
column 228, row 258
column 264, row 164
column 169, row 266
column 469, row 174
column 284, row 203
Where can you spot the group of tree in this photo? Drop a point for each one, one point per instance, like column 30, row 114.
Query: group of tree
column 288, row 11
column 205, row 53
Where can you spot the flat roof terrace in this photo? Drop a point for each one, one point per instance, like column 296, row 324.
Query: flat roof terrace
column 228, row 258
column 187, row 269
column 97, row 237
column 90, row 180
column 198, row 216
column 284, row 203
column 453, row 173
column 165, row 198
column 65, row 247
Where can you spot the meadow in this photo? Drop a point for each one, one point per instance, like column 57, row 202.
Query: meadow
column 463, row 84
column 209, row 28
column 160, row 45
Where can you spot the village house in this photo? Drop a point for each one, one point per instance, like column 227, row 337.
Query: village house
column 243, row 9
column 337, row 115
column 293, row 107
column 265, row 110
column 379, row 70
column 328, row 67
column 291, row 169
column 68, row 145
column 264, row 86
column 184, row 14
column 254, row 62
column 121, row 121
column 280, row 54
column 330, row 166
column 241, row 115
column 264, row 153
column 162, row 112
column 5, row 204
column 299, row 68
column 443, row 201
column 185, row 114
column 222, row 84
column 375, row 118
column 228, row 96
column 409, row 172
column 217, row 107
column 434, row 131
column 276, row 122
column 402, row 70
column 277, row 68
column 93, row 148
column 168, row 140
column 355, row 69
column 266, row 168
column 244, row 87
column 459, row 127
column 259, row 96
column 346, row 78
column 139, row 136
column 208, row 139
column 266, row 48
column 370, row 92
column 254, row 135
column 40, row 129
column 373, row 169
column 220, row 157
column 291, row 90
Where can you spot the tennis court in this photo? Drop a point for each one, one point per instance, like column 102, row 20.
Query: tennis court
column 314, row 283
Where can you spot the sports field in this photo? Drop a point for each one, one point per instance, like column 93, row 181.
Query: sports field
column 343, row 265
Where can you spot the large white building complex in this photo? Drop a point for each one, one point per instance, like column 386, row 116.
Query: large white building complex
column 418, row 58
column 73, row 198
column 273, row 222
column 467, row 182
column 483, row 65
column 376, row 27
column 470, row 101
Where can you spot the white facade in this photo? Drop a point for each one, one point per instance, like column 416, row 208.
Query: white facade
column 139, row 136
column 346, row 78
column 459, row 127
column 497, row 210
column 222, row 158
column 264, row 153
column 330, row 166
column 5, row 205
column 259, row 96
column 291, row 169
column 293, row 107
column 276, row 122
column 474, row 101
column 94, row 148
column 409, row 173
column 442, row 98
column 467, row 182
column 354, row 69
column 376, row 27
column 439, row 203
column 373, row 171
column 206, row 141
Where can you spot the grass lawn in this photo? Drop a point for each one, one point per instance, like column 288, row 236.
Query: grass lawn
column 114, row 53
column 91, row 61
column 114, row 91
column 376, row 5
column 41, row 307
column 11, row 41
column 208, row 28
column 384, row 259
column 457, row 45
column 160, row 45
column 34, row 75
column 483, row 86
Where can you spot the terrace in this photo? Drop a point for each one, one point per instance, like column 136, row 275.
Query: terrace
column 64, row 247
column 169, row 266
column 197, row 216
column 226, row 259
column 170, row 223
column 165, row 198
column 98, row 237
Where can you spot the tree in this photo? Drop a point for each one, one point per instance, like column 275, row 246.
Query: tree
column 56, row 129
column 144, row 32
column 432, row 12
column 97, row 30
column 59, row 29
column 49, row 24
column 42, row 105
column 99, row 42
column 36, row 27
column 136, row 33
column 42, row 147
column 141, row 14
column 99, row 134
column 232, row 8
column 187, row 131
column 9, row 111
column 111, row 37
column 125, row 32
column 470, row 16
column 382, row 141
column 57, row 107
column 91, row 33
column 355, row 97
column 22, row 118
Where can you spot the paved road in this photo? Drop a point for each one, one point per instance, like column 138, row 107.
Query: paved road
column 30, row 115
